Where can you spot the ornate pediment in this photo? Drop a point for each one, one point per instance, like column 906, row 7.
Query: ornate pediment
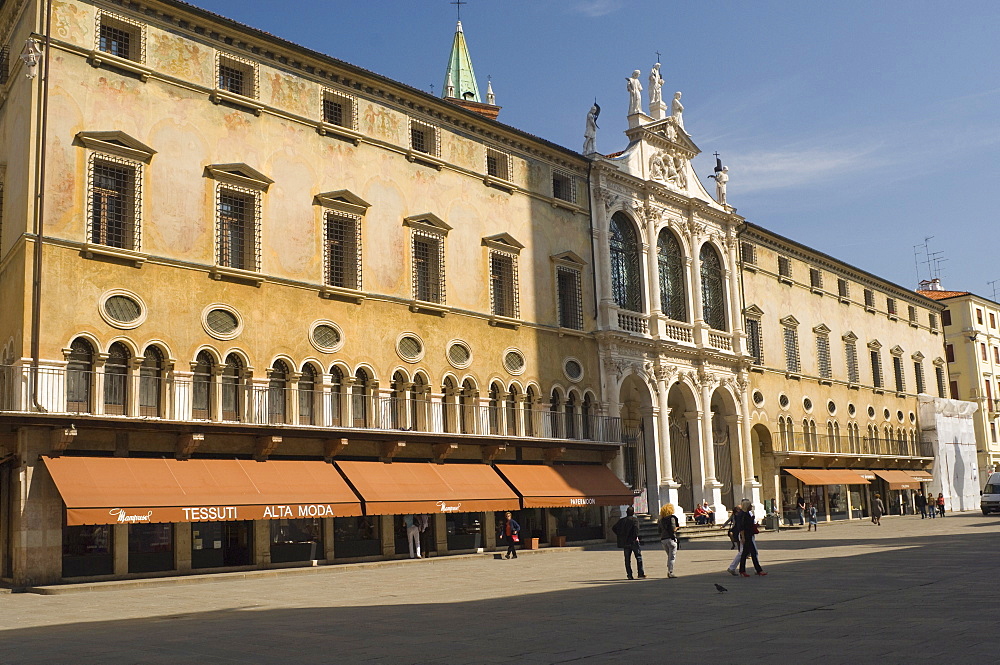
column 753, row 311
column 790, row 321
column 239, row 174
column 504, row 242
column 117, row 143
column 821, row 329
column 343, row 199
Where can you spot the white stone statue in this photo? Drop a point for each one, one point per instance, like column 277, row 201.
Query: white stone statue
column 634, row 93
column 657, row 170
column 677, row 110
column 590, row 133
column 721, row 180
column 655, row 86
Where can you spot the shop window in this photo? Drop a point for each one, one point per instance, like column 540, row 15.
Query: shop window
column 579, row 523
column 356, row 537
column 425, row 534
column 465, row 530
column 150, row 548
column 296, row 540
column 88, row 550
column 221, row 544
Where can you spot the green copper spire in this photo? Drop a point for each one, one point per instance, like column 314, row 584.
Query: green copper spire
column 459, row 79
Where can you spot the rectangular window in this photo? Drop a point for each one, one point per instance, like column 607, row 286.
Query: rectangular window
column 237, row 76
column 503, row 284
column 996, row 355
column 993, row 320
column 851, row 354
column 876, row 369
column 989, row 394
column 784, row 266
column 497, row 164
column 338, row 109
column 237, row 229
column 979, row 316
column 113, row 203
column 897, row 370
column 843, row 288
column 748, row 252
column 815, row 278
column 343, row 251
column 939, row 378
column 918, row 373
column 953, row 389
column 120, row 37
column 428, row 268
column 890, row 306
column 755, row 343
column 949, row 352
column 869, row 299
column 932, row 321
column 993, row 432
column 946, row 317
column 563, row 187
column 791, row 350
column 570, row 298
column 4, row 64
column 912, row 313
column 823, row 356
column 423, row 138
column 982, row 351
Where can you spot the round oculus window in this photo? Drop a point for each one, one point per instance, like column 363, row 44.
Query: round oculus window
column 513, row 361
column 899, row 416
column 783, row 401
column 831, row 407
column 459, row 355
column 758, row 397
column 913, row 417
column 222, row 323
column 807, row 404
column 410, row 348
column 871, row 411
column 887, row 414
column 573, row 369
column 326, row 337
column 851, row 410
column 122, row 309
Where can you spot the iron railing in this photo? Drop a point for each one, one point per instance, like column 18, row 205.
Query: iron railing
column 148, row 394
column 800, row 442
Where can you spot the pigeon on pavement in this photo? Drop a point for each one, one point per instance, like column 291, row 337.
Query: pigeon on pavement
column 721, row 588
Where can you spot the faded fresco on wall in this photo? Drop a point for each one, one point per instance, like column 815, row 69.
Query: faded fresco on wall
column 179, row 57
column 381, row 122
column 290, row 93
column 74, row 23
column 463, row 152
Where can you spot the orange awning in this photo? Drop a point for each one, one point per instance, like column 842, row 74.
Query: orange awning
column 921, row 476
column 898, row 480
column 828, row 476
column 566, row 485
column 423, row 487
column 108, row 490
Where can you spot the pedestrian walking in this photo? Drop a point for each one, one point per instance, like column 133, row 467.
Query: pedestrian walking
column 940, row 504
column 734, row 535
column 412, row 535
column 747, row 530
column 878, row 508
column 627, row 530
column 510, row 534
column 813, row 517
column 728, row 525
column 800, row 503
column 669, row 526
column 921, row 502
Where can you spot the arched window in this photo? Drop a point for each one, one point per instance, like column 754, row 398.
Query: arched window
column 277, row 388
column 673, row 296
column 555, row 413
column 493, row 409
column 116, row 380
column 529, row 411
column 626, row 279
column 512, row 411
column 359, row 398
column 151, row 383
column 587, row 413
column 79, row 372
column 449, row 398
column 336, row 397
column 713, row 293
column 467, row 408
column 232, row 395
column 418, row 403
column 201, row 398
column 307, row 396
column 397, row 403
column 571, row 416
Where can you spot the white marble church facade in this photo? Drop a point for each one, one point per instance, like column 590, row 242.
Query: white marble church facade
column 671, row 339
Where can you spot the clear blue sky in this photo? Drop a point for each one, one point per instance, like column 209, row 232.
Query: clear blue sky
column 856, row 127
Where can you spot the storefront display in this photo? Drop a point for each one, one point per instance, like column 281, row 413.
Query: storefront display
column 150, row 547
column 465, row 531
column 356, row 537
column 582, row 523
column 426, row 534
column 88, row 550
column 221, row 544
column 296, row 540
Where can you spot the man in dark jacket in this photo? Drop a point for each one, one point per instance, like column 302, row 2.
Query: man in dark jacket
column 627, row 530
column 921, row 502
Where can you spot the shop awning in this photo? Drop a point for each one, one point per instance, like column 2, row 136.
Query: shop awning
column 108, row 490
column 829, row 476
column 898, row 480
column 423, row 487
column 566, row 485
column 921, row 476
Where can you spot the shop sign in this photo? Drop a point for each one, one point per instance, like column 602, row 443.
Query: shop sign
column 301, row 510
column 122, row 516
column 586, row 501
column 449, row 508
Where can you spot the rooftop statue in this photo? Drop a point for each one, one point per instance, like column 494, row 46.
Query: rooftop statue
column 655, row 86
column 634, row 93
column 677, row 110
column 590, row 133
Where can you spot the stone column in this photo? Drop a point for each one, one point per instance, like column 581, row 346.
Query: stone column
column 440, row 532
column 668, row 488
column 653, row 275
column 132, row 384
column 347, row 401
column 697, row 308
column 36, row 523
column 602, row 258
column 215, row 393
column 292, row 398
column 100, row 360
column 695, row 425
column 182, row 547
column 328, row 539
column 388, row 535
column 261, row 543
column 489, row 530
column 733, row 299
column 708, row 439
column 168, row 394
column 119, row 545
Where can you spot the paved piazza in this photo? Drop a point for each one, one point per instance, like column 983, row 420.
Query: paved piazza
column 910, row 591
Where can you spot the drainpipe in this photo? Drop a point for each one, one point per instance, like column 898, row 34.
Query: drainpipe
column 39, row 221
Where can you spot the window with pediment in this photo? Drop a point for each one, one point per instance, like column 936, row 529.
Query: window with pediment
column 670, row 259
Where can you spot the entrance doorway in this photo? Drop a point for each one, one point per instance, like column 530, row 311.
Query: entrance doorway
column 221, row 544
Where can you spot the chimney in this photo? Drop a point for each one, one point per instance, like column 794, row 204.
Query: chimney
column 931, row 284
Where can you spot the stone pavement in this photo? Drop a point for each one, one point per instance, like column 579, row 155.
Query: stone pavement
column 910, row 591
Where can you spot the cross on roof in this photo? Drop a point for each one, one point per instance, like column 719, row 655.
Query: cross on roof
column 657, row 57
column 458, row 5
